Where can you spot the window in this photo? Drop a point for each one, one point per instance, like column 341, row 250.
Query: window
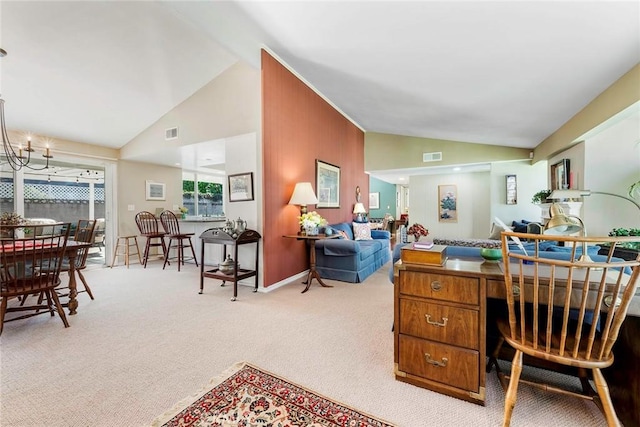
column 206, row 190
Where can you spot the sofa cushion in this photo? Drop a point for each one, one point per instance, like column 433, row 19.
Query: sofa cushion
column 344, row 226
column 362, row 231
column 519, row 227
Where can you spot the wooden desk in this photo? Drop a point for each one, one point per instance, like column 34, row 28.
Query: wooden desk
column 312, row 257
column 459, row 292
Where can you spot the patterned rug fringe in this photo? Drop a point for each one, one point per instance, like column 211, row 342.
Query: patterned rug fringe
column 229, row 372
column 178, row 407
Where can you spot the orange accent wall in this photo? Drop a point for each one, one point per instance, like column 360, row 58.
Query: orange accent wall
column 298, row 127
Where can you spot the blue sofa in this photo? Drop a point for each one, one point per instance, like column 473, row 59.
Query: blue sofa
column 350, row 260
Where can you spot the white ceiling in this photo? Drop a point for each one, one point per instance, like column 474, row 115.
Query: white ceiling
column 504, row 73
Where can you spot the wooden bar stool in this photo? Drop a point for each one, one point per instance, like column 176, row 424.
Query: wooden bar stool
column 125, row 242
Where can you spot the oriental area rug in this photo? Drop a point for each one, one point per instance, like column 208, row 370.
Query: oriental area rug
column 247, row 396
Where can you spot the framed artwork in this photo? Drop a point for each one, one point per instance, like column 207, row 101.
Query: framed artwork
column 447, row 203
column 155, row 190
column 560, row 175
column 374, row 200
column 512, row 190
column 327, row 185
column 241, row 187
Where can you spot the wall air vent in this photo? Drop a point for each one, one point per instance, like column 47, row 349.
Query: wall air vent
column 171, row 133
column 432, row 157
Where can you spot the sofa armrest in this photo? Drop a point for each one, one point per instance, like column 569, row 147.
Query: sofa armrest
column 380, row 234
column 338, row 247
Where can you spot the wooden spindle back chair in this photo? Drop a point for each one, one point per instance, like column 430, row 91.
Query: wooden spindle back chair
column 148, row 226
column 566, row 312
column 31, row 266
column 84, row 233
column 177, row 239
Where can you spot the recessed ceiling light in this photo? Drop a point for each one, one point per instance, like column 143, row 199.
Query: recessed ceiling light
column 457, row 169
column 401, row 179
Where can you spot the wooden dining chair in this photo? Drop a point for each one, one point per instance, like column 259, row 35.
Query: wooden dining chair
column 84, row 233
column 177, row 239
column 565, row 312
column 148, row 226
column 31, row 266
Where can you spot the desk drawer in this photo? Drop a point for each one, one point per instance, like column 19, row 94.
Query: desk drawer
column 454, row 366
column 440, row 286
column 442, row 323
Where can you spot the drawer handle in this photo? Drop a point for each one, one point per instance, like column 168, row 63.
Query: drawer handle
column 430, row 361
column 435, row 322
column 436, row 286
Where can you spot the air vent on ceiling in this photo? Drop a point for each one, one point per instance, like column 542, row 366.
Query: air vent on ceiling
column 171, row 133
column 432, row 157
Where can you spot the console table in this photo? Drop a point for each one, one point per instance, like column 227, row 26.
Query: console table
column 447, row 353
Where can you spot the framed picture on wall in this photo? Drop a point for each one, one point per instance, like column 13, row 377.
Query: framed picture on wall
column 241, row 187
column 374, row 200
column 327, row 185
column 155, row 190
column 512, row 189
column 560, row 174
column 447, row 203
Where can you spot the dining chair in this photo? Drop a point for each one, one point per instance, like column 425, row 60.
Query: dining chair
column 565, row 312
column 148, row 226
column 84, row 233
column 31, row 266
column 177, row 239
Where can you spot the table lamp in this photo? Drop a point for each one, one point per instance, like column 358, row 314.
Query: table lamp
column 359, row 211
column 303, row 195
column 561, row 224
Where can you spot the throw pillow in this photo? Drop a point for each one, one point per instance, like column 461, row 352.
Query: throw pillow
column 519, row 227
column 343, row 234
column 495, row 231
column 361, row 231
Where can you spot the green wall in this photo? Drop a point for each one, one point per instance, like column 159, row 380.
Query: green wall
column 387, row 197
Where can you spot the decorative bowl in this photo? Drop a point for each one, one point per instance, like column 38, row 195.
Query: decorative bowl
column 491, row 254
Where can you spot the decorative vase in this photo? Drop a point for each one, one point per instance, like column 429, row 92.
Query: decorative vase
column 312, row 230
column 183, row 216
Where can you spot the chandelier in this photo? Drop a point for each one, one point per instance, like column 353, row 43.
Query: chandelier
column 22, row 157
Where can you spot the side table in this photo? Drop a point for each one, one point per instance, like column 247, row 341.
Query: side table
column 219, row 237
column 313, row 273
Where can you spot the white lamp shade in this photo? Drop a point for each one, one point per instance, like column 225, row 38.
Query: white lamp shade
column 303, row 195
column 359, row 209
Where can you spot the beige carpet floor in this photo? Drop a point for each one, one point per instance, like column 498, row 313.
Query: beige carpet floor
column 148, row 340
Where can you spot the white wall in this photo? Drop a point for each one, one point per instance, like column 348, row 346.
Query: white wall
column 473, row 204
column 530, row 180
column 612, row 164
column 241, row 155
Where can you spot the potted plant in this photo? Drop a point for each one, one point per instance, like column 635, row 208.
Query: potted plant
column 541, row 197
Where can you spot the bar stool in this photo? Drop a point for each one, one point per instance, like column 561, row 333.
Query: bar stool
column 125, row 242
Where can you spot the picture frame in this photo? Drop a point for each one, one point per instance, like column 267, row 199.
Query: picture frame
column 241, row 187
column 374, row 200
column 327, row 185
column 560, row 175
column 447, row 203
column 511, row 182
column 155, row 190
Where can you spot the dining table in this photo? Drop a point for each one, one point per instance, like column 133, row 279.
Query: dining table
column 71, row 252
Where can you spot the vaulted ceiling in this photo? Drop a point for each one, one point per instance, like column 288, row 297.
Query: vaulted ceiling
column 504, row 73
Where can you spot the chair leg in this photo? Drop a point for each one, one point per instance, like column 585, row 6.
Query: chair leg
column 493, row 358
column 145, row 257
column 607, row 405
column 3, row 311
column 193, row 252
column 50, row 302
column 84, row 282
column 166, row 255
column 512, row 391
column 59, row 307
